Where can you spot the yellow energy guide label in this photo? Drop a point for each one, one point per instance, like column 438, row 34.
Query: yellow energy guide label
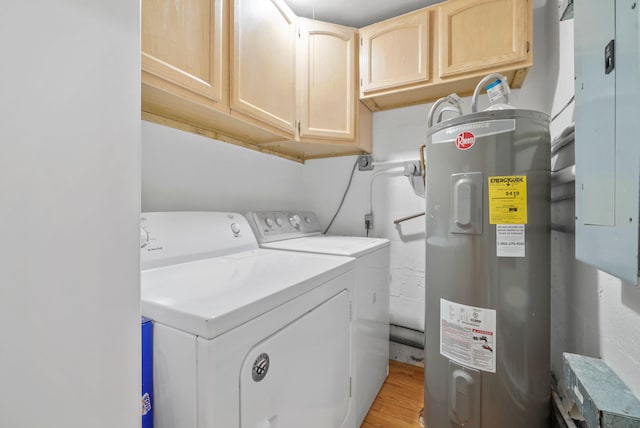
column 508, row 199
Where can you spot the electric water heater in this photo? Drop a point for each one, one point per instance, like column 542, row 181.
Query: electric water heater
column 487, row 271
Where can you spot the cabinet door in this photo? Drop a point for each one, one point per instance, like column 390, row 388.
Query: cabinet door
column 480, row 34
column 327, row 77
column 395, row 52
column 184, row 43
column 263, row 67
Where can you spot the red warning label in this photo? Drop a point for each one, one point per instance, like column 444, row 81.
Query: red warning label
column 465, row 140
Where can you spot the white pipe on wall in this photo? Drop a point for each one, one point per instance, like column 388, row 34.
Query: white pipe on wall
column 392, row 163
column 395, row 172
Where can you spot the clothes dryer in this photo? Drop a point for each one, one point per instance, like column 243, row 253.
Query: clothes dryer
column 244, row 337
column 301, row 231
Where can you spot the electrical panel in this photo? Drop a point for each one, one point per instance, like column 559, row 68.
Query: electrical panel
column 607, row 148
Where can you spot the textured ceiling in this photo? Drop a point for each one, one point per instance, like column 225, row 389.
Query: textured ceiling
column 355, row 13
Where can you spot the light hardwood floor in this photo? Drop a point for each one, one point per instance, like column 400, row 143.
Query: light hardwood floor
column 399, row 401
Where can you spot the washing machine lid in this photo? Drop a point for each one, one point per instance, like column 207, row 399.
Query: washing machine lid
column 352, row 246
column 210, row 297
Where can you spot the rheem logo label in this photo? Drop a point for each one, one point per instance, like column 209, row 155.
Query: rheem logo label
column 465, row 140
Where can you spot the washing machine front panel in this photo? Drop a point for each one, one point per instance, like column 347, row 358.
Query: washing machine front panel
column 304, row 385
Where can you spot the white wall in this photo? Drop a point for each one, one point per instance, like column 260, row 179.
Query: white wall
column 184, row 171
column 69, row 186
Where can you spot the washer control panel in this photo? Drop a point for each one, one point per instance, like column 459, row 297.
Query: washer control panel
column 278, row 225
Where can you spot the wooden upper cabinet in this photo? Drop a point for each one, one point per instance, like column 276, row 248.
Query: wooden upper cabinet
column 327, row 75
column 264, row 63
column 230, row 70
column 481, row 34
column 395, row 52
column 462, row 41
column 185, row 43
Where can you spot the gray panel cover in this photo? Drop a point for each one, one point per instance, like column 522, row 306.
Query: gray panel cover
column 612, row 247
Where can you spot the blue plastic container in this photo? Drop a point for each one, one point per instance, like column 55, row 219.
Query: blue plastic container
column 147, row 373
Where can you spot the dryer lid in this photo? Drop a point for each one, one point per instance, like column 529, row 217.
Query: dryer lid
column 352, row 246
column 209, row 297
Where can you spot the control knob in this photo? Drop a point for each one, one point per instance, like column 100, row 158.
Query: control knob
column 294, row 220
column 235, row 228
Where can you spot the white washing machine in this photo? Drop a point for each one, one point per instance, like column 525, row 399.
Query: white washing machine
column 301, row 231
column 244, row 337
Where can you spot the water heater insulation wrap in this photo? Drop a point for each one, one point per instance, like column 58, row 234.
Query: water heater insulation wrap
column 488, row 271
